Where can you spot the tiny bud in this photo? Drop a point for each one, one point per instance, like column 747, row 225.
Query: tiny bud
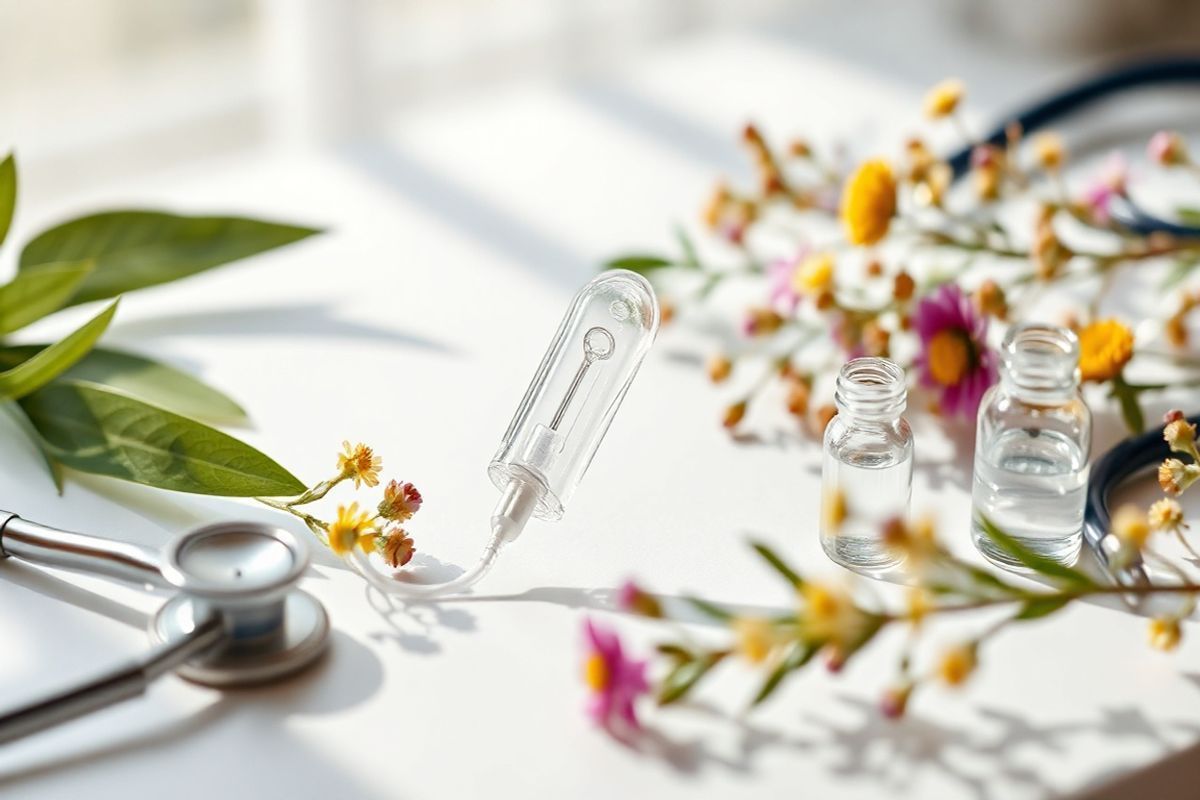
column 825, row 300
column 1180, row 436
column 824, row 416
column 1174, row 415
column 895, row 533
column 990, row 299
column 1050, row 152
column 895, row 700
column 903, row 286
column 719, row 368
column 1165, row 633
column 1129, row 525
column 666, row 312
column 632, row 599
column 734, row 415
column 799, row 148
column 874, row 268
column 797, row 398
column 1167, row 148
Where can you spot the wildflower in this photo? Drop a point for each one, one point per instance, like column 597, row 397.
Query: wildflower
column 833, row 510
column 633, row 599
column 1175, row 477
column 360, row 463
column 714, row 209
column 943, row 99
column 666, row 312
column 876, row 339
column 616, row 681
column 1165, row 633
column 351, row 528
column 1173, row 415
column 755, row 637
column 781, row 282
column 1110, row 185
column 1130, row 526
column 895, row 700
column 400, row 501
column 1176, row 330
column 931, row 190
column 799, row 148
column 734, row 415
column 987, row 165
column 869, row 202
column 919, row 605
column 1048, row 252
column 797, row 397
column 814, row 274
column 919, row 160
column 954, row 355
column 1166, row 515
column 957, row 664
column 396, row 546
column 761, row 322
column 903, row 286
column 824, row 301
column 989, row 299
column 719, row 368
column 1180, row 436
column 1105, row 347
column 829, row 615
column 1167, row 148
column 1050, row 152
column 824, row 415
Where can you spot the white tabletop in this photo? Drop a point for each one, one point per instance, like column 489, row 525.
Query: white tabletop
column 414, row 324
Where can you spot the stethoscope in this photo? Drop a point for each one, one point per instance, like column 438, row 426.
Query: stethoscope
column 237, row 617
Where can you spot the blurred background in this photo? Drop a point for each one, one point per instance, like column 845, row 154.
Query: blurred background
column 94, row 89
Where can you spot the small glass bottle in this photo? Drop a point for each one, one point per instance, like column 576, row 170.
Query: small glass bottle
column 867, row 465
column 1031, row 447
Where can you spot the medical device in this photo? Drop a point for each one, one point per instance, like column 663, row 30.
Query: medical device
column 236, row 617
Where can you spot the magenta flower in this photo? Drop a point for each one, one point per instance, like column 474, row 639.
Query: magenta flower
column 616, row 681
column 954, row 356
column 1111, row 184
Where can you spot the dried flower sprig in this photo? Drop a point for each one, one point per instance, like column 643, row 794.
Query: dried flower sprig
column 905, row 237
column 834, row 622
column 353, row 527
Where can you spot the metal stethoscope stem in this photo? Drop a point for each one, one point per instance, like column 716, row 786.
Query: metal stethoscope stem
column 236, row 618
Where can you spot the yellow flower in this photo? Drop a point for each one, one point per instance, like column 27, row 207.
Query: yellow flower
column 957, row 664
column 1105, row 347
column 829, row 614
column 1130, row 526
column 756, row 638
column 869, row 202
column 1050, row 152
column 396, row 547
column 1166, row 515
column 351, row 528
column 833, row 510
column 1165, row 633
column 919, row 605
column 1175, row 477
column 1180, row 435
column 360, row 463
column 943, row 99
column 814, row 275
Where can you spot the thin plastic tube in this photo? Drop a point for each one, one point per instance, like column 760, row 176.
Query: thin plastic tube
column 389, row 585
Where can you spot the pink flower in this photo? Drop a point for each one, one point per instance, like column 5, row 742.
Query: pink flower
column 616, row 681
column 954, row 356
column 633, row 599
column 1111, row 183
column 781, row 276
column 1167, row 148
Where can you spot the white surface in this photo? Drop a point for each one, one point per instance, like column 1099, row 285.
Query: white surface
column 414, row 325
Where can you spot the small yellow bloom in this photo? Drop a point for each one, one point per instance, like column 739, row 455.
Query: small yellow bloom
column 351, row 528
column 829, row 614
column 756, row 638
column 1050, row 151
column 957, row 664
column 360, row 463
column 1129, row 525
column 814, row 275
column 1180, row 435
column 869, row 202
column 833, row 510
column 943, row 99
column 1105, row 347
column 1166, row 515
column 1165, row 633
column 595, row 672
column 949, row 357
column 919, row 605
column 1174, row 476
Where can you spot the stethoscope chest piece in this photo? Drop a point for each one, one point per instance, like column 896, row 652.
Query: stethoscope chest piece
column 244, row 574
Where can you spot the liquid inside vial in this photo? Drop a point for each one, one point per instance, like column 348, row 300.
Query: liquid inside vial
column 875, row 485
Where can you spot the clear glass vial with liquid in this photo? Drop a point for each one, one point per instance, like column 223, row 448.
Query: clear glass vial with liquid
column 867, row 464
column 1031, row 447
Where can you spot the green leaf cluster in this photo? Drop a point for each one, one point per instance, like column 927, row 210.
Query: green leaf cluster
column 113, row 413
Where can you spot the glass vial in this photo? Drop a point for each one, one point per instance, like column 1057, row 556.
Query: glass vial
column 867, row 466
column 1031, row 447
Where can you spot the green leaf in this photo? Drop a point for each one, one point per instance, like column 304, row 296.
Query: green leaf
column 691, row 259
column 680, row 680
column 708, row 609
column 797, row 655
column 1179, row 272
column 39, row 291
column 1035, row 562
column 18, row 416
column 100, row 430
column 145, row 379
column 136, row 249
column 641, row 264
column 674, row 651
column 778, row 564
column 8, row 194
column 34, row 373
column 1190, row 216
column 1036, row 607
column 1131, row 409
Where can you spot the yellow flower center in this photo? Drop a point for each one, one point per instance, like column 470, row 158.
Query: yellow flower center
column 869, row 202
column 1105, row 347
column 815, row 274
column 595, row 672
column 949, row 357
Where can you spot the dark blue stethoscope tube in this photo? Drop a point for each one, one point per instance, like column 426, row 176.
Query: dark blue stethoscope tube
column 1168, row 72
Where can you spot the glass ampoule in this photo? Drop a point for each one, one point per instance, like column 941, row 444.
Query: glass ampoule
column 1031, row 447
column 867, row 464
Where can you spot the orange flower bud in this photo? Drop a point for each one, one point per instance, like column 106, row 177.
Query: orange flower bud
column 734, row 415
column 719, row 368
column 903, row 286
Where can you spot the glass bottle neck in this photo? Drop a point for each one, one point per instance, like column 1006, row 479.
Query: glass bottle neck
column 871, row 390
column 1040, row 364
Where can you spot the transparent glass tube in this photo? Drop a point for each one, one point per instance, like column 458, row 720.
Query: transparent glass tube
column 1031, row 447
column 560, row 422
column 866, row 473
